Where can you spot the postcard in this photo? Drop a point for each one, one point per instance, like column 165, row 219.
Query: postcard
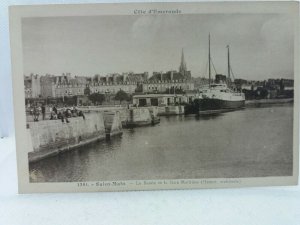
column 143, row 96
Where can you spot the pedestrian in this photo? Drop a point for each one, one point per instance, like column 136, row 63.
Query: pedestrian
column 54, row 109
column 36, row 113
column 80, row 113
column 60, row 116
column 39, row 110
column 65, row 114
column 43, row 111
column 75, row 110
column 68, row 113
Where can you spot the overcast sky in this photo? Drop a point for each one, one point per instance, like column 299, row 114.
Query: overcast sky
column 261, row 45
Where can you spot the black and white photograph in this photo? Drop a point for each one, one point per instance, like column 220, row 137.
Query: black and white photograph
column 158, row 96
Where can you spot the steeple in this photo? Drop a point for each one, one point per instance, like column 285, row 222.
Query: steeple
column 182, row 67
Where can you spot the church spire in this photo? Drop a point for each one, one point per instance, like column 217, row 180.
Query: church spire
column 182, row 67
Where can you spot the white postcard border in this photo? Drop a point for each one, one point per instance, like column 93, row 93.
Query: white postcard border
column 22, row 145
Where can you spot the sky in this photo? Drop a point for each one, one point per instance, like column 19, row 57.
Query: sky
column 261, row 45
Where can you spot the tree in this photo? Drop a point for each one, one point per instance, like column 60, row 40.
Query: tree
column 97, row 98
column 122, row 96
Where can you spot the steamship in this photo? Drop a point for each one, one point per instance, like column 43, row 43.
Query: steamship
column 220, row 96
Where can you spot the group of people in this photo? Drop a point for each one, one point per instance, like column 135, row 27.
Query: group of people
column 55, row 113
column 64, row 113
column 36, row 110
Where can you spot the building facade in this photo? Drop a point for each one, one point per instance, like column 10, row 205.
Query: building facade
column 50, row 86
column 166, row 86
column 158, row 100
column 111, row 88
column 32, row 86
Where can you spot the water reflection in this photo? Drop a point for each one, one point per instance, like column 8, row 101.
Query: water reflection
column 208, row 117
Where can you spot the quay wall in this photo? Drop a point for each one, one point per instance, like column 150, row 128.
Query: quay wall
column 171, row 110
column 143, row 115
column 123, row 111
column 112, row 122
column 124, row 114
column 139, row 115
column 268, row 101
column 50, row 137
column 154, row 111
column 116, row 127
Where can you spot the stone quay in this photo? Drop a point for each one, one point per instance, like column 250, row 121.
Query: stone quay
column 51, row 137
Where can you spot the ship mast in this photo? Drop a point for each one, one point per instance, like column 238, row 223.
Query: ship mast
column 228, row 57
column 209, row 69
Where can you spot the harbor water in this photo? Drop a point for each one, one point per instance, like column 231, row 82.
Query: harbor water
column 254, row 142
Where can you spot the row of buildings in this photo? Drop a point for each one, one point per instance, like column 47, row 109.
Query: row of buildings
column 52, row 86
column 170, row 82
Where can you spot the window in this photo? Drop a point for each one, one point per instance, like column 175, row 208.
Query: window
column 142, row 102
column 154, row 101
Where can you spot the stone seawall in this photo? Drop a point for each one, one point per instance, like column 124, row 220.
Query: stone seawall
column 138, row 117
column 51, row 137
column 113, row 124
column 129, row 117
column 171, row 110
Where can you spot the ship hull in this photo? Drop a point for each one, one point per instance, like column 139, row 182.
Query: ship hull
column 219, row 104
